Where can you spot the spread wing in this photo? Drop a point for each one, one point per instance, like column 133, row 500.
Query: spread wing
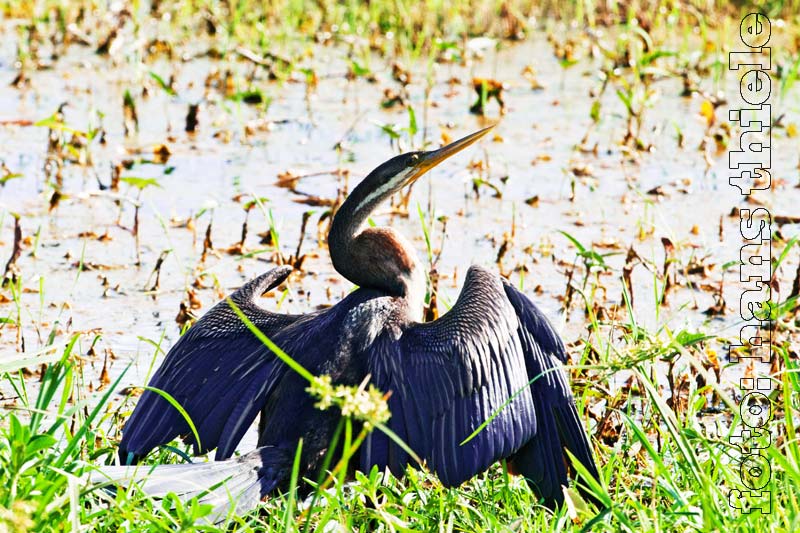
column 449, row 376
column 218, row 371
column 542, row 459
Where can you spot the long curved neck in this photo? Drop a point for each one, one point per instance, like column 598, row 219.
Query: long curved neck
column 378, row 258
column 347, row 223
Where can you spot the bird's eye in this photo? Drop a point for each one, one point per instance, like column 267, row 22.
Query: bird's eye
column 414, row 159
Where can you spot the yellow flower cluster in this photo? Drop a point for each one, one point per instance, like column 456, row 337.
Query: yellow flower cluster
column 364, row 403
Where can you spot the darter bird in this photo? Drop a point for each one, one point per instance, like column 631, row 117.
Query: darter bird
column 493, row 353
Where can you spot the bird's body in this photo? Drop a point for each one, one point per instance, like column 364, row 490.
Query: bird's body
column 494, row 354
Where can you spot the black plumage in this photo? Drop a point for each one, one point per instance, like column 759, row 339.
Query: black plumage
column 445, row 377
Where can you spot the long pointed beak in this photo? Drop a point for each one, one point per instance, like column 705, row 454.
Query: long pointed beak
column 428, row 160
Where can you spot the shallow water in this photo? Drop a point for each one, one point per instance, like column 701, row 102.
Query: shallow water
column 299, row 132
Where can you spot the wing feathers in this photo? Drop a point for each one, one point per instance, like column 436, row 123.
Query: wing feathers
column 464, row 367
column 542, row 460
column 211, row 372
column 458, row 371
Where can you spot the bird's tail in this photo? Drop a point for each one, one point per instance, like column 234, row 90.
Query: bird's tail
column 235, row 484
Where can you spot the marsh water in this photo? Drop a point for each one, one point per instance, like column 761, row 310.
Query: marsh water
column 532, row 182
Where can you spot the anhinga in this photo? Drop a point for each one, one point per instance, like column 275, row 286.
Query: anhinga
column 445, row 377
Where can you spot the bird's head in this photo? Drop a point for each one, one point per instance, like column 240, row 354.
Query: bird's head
column 405, row 169
column 380, row 258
